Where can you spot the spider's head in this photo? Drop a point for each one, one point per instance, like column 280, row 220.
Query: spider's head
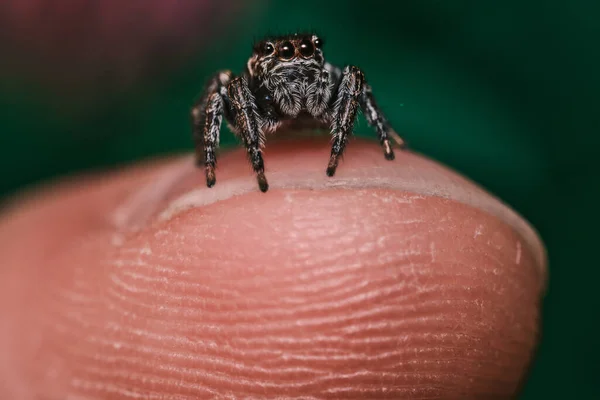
column 281, row 50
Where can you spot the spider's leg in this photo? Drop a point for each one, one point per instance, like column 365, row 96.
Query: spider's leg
column 207, row 115
column 376, row 119
column 248, row 124
column 345, row 109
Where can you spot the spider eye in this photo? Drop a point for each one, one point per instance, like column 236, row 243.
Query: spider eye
column 286, row 50
column 307, row 48
column 268, row 49
column 318, row 43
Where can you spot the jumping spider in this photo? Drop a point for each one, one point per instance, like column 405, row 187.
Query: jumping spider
column 286, row 79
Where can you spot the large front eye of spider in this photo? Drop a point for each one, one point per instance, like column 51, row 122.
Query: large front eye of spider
column 286, row 50
column 307, row 48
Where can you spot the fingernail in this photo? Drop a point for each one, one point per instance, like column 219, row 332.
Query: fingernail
column 299, row 164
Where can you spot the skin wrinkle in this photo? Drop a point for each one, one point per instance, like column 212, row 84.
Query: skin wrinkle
column 169, row 311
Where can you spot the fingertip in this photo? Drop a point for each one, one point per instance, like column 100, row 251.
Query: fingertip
column 383, row 280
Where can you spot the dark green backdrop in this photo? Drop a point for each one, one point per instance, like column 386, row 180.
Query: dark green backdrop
column 505, row 92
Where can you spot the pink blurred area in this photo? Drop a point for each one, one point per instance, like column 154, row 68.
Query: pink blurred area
column 78, row 43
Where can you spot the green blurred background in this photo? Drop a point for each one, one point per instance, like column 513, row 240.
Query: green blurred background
column 505, row 92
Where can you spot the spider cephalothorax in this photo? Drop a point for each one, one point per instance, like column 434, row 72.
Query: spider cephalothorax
column 286, row 79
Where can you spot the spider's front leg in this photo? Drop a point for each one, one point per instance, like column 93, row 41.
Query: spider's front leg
column 246, row 121
column 207, row 115
column 344, row 113
column 373, row 114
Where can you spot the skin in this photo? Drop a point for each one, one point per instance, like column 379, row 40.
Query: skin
column 392, row 280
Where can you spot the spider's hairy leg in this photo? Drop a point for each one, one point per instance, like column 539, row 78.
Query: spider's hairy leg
column 247, row 123
column 344, row 113
column 207, row 115
column 376, row 119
